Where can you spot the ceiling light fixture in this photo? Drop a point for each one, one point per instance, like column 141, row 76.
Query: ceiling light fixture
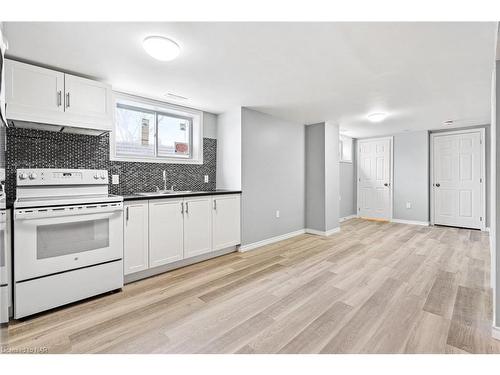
column 161, row 48
column 448, row 122
column 377, row 116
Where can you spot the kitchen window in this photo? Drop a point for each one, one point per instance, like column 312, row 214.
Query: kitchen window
column 157, row 132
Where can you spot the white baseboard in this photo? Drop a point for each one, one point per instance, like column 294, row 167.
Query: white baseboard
column 411, row 222
column 269, row 241
column 347, row 218
column 495, row 332
column 323, row 233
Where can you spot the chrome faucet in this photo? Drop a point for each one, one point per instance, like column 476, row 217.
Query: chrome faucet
column 165, row 182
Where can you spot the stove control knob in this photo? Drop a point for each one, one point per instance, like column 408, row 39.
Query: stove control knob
column 103, row 177
column 23, row 176
column 96, row 177
column 33, row 176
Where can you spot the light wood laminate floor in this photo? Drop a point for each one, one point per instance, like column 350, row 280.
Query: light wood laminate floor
column 372, row 288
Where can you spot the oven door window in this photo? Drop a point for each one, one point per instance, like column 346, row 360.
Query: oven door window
column 56, row 240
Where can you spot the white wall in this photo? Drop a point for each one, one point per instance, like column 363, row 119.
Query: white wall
column 273, row 169
column 209, row 125
column 229, row 150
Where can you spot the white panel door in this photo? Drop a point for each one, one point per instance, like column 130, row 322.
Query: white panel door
column 166, row 231
column 226, row 221
column 33, row 93
column 88, row 101
column 197, row 226
column 374, row 178
column 135, row 237
column 457, row 180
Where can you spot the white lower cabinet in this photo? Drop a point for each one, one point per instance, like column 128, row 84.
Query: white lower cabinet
column 197, row 226
column 135, row 236
column 166, row 227
column 225, row 221
column 162, row 231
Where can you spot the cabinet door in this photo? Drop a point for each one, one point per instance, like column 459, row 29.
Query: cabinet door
column 33, row 93
column 166, row 231
column 197, row 226
column 135, row 234
column 88, row 101
column 226, row 221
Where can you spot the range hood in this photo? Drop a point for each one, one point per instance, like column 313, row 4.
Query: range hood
column 55, row 128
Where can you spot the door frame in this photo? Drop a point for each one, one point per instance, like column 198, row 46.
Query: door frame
column 482, row 152
column 391, row 172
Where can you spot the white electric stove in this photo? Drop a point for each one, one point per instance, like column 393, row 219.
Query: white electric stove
column 68, row 238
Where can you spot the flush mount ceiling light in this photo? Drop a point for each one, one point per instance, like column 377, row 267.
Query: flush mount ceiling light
column 161, row 48
column 377, row 116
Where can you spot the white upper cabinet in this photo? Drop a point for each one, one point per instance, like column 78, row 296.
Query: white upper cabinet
column 197, row 226
column 166, row 240
column 32, row 92
column 45, row 96
column 225, row 221
column 88, row 100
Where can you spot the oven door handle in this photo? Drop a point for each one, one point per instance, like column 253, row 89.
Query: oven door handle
column 49, row 212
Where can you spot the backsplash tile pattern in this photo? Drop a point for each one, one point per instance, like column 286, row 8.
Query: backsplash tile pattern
column 27, row 148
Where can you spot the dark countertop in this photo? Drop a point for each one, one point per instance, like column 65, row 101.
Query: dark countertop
column 134, row 197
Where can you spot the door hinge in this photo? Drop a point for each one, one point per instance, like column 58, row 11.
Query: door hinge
column 480, row 218
column 480, row 180
column 359, row 209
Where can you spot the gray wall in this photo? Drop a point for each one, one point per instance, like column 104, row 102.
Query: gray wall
column 496, row 103
column 315, row 177
column 322, row 177
column 332, row 191
column 411, row 176
column 273, row 176
column 347, row 181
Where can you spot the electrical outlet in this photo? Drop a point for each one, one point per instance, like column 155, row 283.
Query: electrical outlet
column 115, row 179
column 206, row 178
column 408, row 205
column 277, row 214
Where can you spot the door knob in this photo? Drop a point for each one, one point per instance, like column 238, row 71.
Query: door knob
column 438, row 185
column 386, row 184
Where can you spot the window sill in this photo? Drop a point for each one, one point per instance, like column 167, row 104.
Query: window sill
column 155, row 160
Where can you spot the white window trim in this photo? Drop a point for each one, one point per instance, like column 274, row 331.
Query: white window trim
column 156, row 105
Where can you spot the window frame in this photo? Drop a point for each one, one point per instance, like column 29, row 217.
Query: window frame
column 194, row 116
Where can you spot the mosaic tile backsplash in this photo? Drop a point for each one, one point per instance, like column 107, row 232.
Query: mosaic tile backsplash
column 27, row 148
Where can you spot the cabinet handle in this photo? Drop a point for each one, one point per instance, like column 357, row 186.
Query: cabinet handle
column 67, row 100
column 187, row 208
column 126, row 214
column 59, row 98
column 182, row 208
column 215, row 204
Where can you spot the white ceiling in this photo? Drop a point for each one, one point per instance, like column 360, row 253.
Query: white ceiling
column 422, row 74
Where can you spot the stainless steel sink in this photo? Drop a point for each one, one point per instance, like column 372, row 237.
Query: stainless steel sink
column 168, row 192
